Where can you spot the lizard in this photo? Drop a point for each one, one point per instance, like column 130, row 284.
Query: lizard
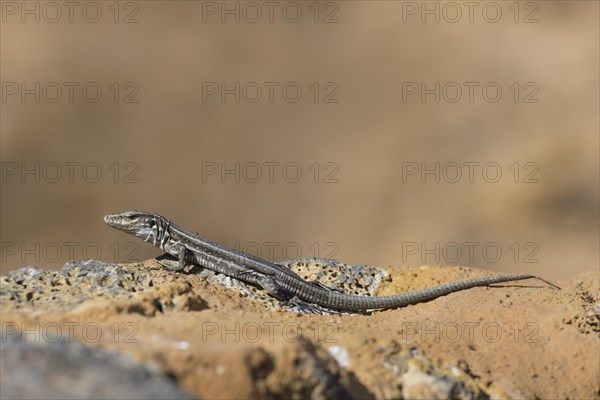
column 279, row 281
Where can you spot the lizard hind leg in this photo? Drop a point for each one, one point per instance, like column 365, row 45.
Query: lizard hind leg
column 322, row 286
column 322, row 273
column 298, row 305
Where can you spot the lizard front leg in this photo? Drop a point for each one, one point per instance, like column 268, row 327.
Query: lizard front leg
column 181, row 261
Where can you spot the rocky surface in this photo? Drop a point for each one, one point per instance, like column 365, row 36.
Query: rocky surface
column 67, row 369
column 130, row 331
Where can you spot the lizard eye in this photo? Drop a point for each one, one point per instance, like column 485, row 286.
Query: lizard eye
column 132, row 217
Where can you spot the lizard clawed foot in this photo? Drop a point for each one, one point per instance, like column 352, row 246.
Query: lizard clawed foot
column 169, row 266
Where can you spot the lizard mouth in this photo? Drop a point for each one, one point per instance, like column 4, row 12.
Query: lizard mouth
column 120, row 221
column 114, row 222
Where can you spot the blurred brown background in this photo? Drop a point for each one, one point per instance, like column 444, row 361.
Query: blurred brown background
column 166, row 123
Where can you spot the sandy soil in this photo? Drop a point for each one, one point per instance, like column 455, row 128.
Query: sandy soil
column 515, row 340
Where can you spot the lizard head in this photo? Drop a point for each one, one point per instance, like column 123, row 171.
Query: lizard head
column 145, row 225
